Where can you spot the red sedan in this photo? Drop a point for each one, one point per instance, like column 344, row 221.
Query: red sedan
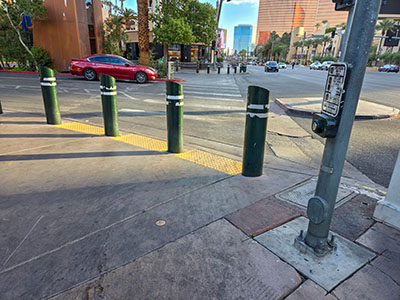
column 92, row 66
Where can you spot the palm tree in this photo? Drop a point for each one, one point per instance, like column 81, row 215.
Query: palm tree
column 144, row 43
column 128, row 14
column 308, row 43
column 122, row 4
column 326, row 39
column 279, row 49
column 297, row 45
column 324, row 22
column 385, row 26
column 316, row 43
column 317, row 26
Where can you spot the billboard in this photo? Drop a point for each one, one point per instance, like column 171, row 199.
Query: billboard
column 222, row 38
column 391, row 7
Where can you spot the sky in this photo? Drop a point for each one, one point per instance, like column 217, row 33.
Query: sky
column 233, row 13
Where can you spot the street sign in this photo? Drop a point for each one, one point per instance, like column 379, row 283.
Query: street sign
column 390, row 7
column 326, row 123
column 343, row 4
column 334, row 89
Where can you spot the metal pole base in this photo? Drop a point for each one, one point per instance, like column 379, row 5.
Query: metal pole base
column 328, row 248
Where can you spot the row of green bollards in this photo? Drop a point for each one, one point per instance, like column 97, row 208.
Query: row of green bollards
column 108, row 91
column 49, row 92
column 255, row 129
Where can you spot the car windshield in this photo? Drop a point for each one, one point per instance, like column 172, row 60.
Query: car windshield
column 272, row 63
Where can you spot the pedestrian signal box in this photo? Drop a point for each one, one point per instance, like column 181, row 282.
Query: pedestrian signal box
column 326, row 123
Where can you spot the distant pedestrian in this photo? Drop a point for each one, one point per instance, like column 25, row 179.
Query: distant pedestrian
column 293, row 63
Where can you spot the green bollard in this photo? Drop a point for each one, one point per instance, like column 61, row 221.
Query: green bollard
column 108, row 91
column 175, row 117
column 208, row 69
column 219, row 70
column 1, row 108
column 235, row 69
column 255, row 132
column 49, row 92
column 228, row 70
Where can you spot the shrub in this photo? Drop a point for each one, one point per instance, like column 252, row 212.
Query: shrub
column 161, row 70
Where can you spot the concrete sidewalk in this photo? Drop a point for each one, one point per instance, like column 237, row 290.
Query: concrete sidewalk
column 84, row 216
column 309, row 106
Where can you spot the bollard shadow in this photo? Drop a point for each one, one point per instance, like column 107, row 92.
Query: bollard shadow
column 52, row 156
column 152, row 113
column 38, row 135
column 23, row 122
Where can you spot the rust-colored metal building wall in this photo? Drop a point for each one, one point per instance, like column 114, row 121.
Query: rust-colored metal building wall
column 283, row 15
column 65, row 33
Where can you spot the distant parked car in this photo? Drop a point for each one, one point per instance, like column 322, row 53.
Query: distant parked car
column 316, row 66
column 326, row 64
column 271, row 66
column 282, row 65
column 261, row 64
column 389, row 68
column 92, row 66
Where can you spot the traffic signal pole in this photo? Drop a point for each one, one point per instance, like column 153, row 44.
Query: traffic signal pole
column 361, row 25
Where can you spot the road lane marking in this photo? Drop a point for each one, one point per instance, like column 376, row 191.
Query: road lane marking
column 129, row 96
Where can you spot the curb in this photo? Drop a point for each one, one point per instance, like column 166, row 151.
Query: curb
column 30, row 72
column 304, row 112
column 173, row 80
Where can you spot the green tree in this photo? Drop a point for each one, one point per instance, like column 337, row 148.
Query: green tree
column 10, row 16
column 184, row 22
column 385, row 26
column 308, row 44
column 114, row 34
column 316, row 43
column 285, row 39
column 326, row 39
column 114, row 30
column 279, row 50
column 202, row 20
column 297, row 45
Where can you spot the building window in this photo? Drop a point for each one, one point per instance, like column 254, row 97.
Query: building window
column 90, row 19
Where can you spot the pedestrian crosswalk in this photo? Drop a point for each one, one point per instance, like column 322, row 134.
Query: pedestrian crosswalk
column 224, row 89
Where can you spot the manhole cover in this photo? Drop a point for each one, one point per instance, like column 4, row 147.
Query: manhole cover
column 300, row 194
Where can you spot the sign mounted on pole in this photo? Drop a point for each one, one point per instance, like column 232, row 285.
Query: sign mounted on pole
column 343, row 4
column 334, row 89
column 326, row 123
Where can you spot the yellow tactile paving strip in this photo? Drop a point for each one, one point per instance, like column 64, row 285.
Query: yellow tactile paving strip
column 143, row 142
column 202, row 158
column 85, row 128
column 212, row 161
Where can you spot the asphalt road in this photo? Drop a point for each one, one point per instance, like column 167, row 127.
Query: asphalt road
column 374, row 144
column 214, row 109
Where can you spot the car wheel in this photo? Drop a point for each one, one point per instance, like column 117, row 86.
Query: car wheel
column 90, row 74
column 141, row 77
